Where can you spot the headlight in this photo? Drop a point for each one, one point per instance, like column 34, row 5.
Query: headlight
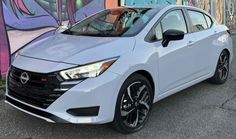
column 87, row 71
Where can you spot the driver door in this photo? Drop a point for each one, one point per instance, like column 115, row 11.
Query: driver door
column 176, row 61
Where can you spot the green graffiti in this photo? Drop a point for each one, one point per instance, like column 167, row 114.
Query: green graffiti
column 79, row 4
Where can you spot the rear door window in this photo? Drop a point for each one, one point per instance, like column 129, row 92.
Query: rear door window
column 198, row 21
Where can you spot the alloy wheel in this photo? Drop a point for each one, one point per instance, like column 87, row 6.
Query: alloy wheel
column 223, row 66
column 135, row 104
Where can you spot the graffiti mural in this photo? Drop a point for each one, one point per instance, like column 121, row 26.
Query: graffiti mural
column 4, row 44
column 26, row 21
column 231, row 15
column 220, row 11
column 203, row 4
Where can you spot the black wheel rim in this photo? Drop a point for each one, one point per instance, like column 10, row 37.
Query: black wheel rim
column 223, row 66
column 135, row 104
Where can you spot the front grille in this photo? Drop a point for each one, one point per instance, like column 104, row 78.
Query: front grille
column 39, row 91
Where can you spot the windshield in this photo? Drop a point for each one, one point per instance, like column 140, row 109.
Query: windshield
column 122, row 22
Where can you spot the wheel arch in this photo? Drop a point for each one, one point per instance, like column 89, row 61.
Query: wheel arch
column 230, row 53
column 227, row 50
column 148, row 76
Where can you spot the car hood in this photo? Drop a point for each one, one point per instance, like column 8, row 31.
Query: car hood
column 78, row 49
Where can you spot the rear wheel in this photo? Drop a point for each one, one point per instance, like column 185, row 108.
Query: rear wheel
column 222, row 69
column 133, row 105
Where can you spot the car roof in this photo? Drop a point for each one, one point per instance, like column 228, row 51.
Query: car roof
column 168, row 6
column 161, row 6
column 152, row 6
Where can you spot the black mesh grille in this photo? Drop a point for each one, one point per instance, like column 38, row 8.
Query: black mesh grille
column 38, row 91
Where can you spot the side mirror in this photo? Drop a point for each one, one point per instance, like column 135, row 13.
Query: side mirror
column 172, row 35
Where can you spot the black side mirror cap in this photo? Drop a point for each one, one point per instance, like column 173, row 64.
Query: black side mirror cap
column 172, row 35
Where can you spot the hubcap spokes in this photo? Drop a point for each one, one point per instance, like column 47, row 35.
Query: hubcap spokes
column 223, row 67
column 135, row 104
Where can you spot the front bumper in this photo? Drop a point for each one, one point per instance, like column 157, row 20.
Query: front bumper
column 33, row 111
column 99, row 92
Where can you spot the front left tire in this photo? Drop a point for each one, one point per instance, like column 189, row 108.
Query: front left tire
column 133, row 105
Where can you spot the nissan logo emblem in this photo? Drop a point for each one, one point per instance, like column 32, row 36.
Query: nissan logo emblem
column 24, row 78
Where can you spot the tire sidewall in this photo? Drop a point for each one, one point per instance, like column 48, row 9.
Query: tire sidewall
column 217, row 73
column 118, row 119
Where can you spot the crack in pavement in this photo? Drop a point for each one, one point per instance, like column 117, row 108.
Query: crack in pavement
column 228, row 100
column 228, row 109
column 222, row 106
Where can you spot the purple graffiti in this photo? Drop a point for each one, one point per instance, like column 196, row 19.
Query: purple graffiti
column 89, row 7
column 4, row 45
column 93, row 7
column 31, row 15
column 19, row 5
column 19, row 15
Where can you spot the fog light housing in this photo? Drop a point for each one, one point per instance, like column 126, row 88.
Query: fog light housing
column 89, row 111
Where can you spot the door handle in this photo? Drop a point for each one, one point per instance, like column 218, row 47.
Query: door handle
column 190, row 43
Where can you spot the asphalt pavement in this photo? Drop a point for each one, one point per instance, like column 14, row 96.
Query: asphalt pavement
column 203, row 111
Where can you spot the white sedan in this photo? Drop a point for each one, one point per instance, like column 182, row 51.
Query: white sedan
column 112, row 66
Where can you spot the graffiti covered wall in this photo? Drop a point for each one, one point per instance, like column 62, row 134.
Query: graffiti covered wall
column 26, row 21
column 230, row 13
column 4, row 44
